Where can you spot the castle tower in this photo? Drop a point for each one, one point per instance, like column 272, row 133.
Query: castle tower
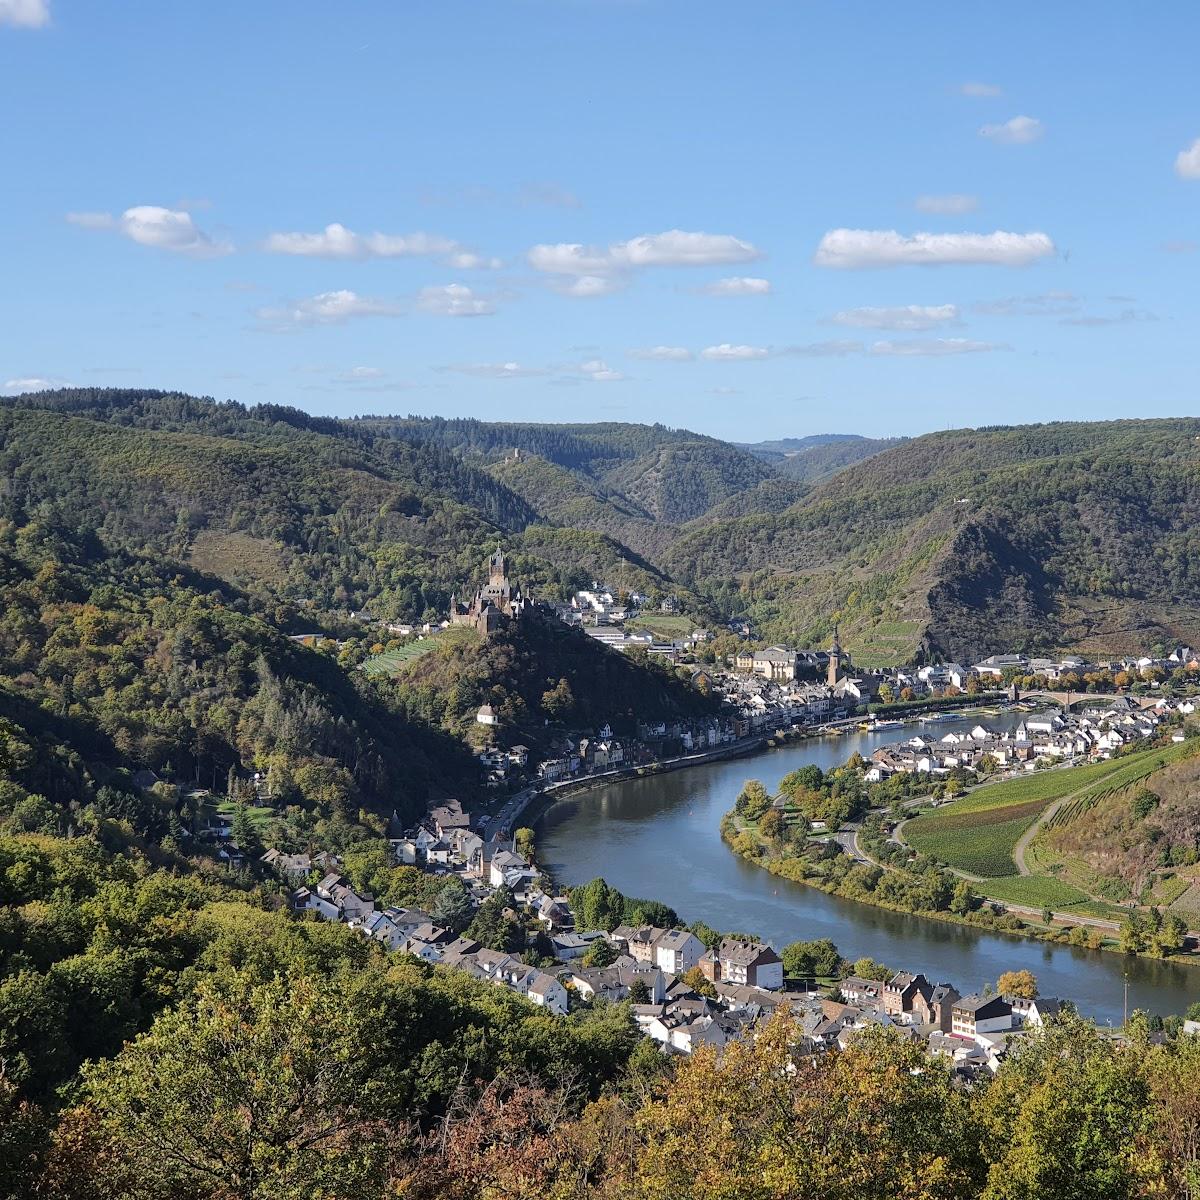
column 835, row 659
column 498, row 570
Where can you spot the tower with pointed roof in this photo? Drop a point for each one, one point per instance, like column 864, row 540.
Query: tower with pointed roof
column 835, row 658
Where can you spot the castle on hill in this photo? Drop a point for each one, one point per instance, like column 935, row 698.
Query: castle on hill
column 498, row 601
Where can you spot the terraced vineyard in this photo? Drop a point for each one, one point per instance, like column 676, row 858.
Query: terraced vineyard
column 390, row 661
column 979, row 833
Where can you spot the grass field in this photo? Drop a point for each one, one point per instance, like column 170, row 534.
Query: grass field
column 260, row 818
column 666, row 625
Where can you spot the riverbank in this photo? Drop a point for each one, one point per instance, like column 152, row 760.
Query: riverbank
column 533, row 806
column 744, row 840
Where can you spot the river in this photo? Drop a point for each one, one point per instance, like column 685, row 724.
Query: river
column 659, row 838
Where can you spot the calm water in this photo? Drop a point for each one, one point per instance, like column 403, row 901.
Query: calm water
column 659, row 838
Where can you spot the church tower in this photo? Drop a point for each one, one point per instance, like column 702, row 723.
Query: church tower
column 835, row 659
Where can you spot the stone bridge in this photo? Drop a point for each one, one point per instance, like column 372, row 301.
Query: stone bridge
column 1068, row 698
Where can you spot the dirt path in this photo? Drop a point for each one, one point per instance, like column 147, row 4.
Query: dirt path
column 1047, row 815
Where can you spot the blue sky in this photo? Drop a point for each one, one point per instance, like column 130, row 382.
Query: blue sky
column 653, row 210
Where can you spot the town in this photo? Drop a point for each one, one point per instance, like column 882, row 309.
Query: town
column 683, row 993
column 779, row 691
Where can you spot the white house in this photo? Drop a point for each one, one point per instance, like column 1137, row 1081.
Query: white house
column 547, row 992
column 677, row 951
column 975, row 1015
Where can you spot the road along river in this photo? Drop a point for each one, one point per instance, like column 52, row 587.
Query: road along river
column 659, row 838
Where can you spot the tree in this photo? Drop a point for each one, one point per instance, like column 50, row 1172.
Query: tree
column 1021, row 983
column 1062, row 1118
column 601, row 953
column 494, row 927
column 639, row 993
column 874, row 1122
column 753, row 800
column 250, row 1090
column 597, row 906
column 868, row 968
column 812, row 960
column 559, row 702
column 963, row 899
column 770, row 824
column 699, row 983
column 245, row 834
column 453, row 907
column 525, row 844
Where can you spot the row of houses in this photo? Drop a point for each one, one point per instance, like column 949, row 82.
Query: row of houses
column 1052, row 737
column 658, row 970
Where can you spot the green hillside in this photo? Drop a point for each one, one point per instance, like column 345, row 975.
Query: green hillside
column 811, row 459
column 1032, row 537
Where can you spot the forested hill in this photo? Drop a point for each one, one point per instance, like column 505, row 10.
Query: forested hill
column 635, row 483
column 811, row 459
column 318, row 513
column 972, row 541
column 157, row 549
column 955, row 544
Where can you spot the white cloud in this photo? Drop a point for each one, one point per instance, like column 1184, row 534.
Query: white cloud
column 675, row 248
column 468, row 260
column 160, row 228
column 588, row 287
column 952, row 205
column 597, row 370
column 678, row 249
column 32, row 383
column 1018, row 131
column 336, row 241
column 935, row 348
column 729, row 353
column 454, row 300
column 980, row 89
column 1187, row 162
column 168, row 229
column 1181, row 246
column 858, row 248
column 737, row 285
column 25, row 14
column 906, row 318
column 506, row 370
column 329, row 308
column 360, row 375
column 663, row 354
